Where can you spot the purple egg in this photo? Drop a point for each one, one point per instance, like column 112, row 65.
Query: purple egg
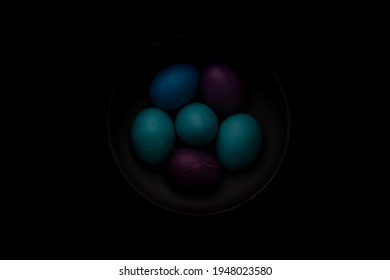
column 222, row 89
column 193, row 169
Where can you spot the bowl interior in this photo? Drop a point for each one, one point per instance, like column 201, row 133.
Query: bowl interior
column 265, row 101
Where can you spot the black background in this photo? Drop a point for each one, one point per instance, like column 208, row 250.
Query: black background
column 66, row 198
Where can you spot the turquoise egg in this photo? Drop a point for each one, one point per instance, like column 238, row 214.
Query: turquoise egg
column 196, row 124
column 238, row 141
column 174, row 86
column 153, row 135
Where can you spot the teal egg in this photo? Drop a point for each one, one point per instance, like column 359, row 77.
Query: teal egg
column 196, row 124
column 153, row 135
column 238, row 141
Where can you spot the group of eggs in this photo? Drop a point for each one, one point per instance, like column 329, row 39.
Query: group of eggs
column 237, row 138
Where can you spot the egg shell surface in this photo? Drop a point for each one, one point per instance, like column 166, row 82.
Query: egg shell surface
column 193, row 168
column 174, row 86
column 238, row 141
column 222, row 89
column 196, row 124
column 153, row 135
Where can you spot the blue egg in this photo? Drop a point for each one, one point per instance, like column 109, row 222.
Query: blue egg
column 153, row 135
column 238, row 141
column 174, row 86
column 196, row 124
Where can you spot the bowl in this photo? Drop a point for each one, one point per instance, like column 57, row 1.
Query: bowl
column 266, row 102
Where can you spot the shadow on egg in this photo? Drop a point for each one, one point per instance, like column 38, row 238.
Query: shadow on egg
column 265, row 101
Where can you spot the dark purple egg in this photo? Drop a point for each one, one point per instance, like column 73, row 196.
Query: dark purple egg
column 193, row 169
column 222, row 89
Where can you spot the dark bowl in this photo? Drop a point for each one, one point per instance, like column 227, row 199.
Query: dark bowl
column 266, row 102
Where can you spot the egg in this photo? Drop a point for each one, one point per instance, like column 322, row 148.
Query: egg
column 174, row 86
column 222, row 89
column 196, row 124
column 153, row 135
column 238, row 141
column 193, row 169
